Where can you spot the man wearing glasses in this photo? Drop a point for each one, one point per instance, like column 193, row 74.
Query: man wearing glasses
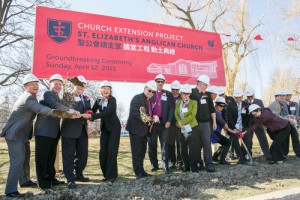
column 174, row 133
column 139, row 129
column 206, row 118
column 259, row 132
column 163, row 112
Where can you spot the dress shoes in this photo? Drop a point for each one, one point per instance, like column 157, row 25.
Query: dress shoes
column 81, row 178
column 15, row 195
column 72, row 185
column 28, row 184
column 140, row 176
column 57, row 182
column 224, row 162
column 146, row 174
column 104, row 179
column 241, row 161
column 154, row 169
column 210, row 168
column 48, row 187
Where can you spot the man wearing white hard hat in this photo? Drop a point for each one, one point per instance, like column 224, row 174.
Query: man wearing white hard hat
column 47, row 134
column 206, row 118
column 185, row 114
column 18, row 131
column 174, row 133
column 74, row 134
column 277, row 128
column 259, row 132
column 110, row 128
column 163, row 111
column 214, row 91
column 293, row 113
column 237, row 115
column 138, row 125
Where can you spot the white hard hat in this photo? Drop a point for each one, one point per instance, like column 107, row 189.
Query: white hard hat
column 186, row 88
column 214, row 89
column 253, row 107
column 238, row 92
column 279, row 92
column 56, row 77
column 160, row 76
column 221, row 100
column 151, row 85
column 81, row 79
column 249, row 91
column 29, row 78
column 287, row 91
column 204, row 79
column 221, row 90
column 105, row 84
column 175, row 85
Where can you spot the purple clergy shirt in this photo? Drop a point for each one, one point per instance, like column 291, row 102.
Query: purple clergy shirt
column 158, row 104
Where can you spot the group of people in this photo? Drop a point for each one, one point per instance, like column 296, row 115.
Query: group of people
column 49, row 128
column 186, row 121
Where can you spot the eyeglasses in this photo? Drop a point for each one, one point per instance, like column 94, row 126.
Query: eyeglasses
column 175, row 89
column 160, row 81
column 222, row 106
column 151, row 91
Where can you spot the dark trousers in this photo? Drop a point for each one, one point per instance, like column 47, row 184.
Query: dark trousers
column 158, row 131
column 295, row 142
column 204, row 134
column 109, row 147
column 236, row 146
column 174, row 144
column 190, row 150
column 75, row 154
column 262, row 139
column 45, row 154
column 138, row 150
column 25, row 175
column 278, row 138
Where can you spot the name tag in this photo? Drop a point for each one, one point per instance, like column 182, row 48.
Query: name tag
column 105, row 104
column 203, row 101
column 164, row 98
column 243, row 111
column 184, row 110
column 292, row 108
column 77, row 99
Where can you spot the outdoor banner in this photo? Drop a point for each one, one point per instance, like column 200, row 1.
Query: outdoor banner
column 115, row 49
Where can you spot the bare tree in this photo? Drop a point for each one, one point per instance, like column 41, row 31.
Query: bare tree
column 282, row 78
column 121, row 111
column 218, row 16
column 5, row 109
column 16, row 34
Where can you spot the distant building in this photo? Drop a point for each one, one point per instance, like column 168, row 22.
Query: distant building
column 185, row 68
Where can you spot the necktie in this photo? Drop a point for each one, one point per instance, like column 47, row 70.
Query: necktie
column 289, row 109
column 81, row 97
column 239, row 119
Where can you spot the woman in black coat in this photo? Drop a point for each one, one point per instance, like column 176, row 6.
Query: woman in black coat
column 106, row 104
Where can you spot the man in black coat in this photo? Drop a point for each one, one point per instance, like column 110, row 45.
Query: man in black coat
column 163, row 111
column 259, row 132
column 138, row 127
column 47, row 134
column 75, row 136
column 237, row 116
